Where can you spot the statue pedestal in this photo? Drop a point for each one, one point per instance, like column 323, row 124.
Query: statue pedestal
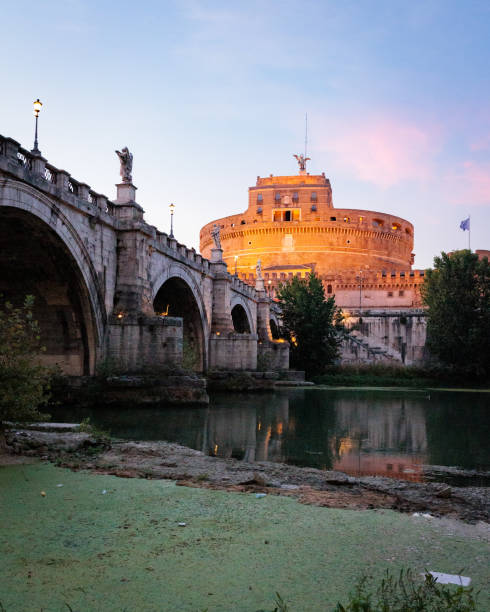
column 259, row 284
column 126, row 193
column 216, row 255
column 126, row 207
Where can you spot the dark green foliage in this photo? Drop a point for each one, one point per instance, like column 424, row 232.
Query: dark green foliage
column 309, row 323
column 457, row 294
column 23, row 381
column 409, row 594
column 386, row 375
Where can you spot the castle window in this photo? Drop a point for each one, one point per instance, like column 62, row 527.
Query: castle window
column 346, row 219
column 260, row 199
column 295, row 197
column 396, row 227
column 314, row 197
column 390, row 293
column 313, row 207
column 377, row 223
column 361, row 219
column 401, row 293
column 277, row 196
column 259, row 210
column 333, row 218
column 407, row 231
column 242, row 222
column 329, row 288
column 289, row 214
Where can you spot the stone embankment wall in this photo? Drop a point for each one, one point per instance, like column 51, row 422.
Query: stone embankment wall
column 396, row 337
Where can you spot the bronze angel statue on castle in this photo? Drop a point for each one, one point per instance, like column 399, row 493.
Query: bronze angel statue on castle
column 302, row 161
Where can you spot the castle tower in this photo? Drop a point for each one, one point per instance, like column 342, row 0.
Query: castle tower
column 291, row 225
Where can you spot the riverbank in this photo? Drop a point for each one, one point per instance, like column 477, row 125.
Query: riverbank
column 383, row 375
column 193, row 468
column 95, row 542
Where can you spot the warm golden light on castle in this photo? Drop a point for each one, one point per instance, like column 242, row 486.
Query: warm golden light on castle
column 291, row 225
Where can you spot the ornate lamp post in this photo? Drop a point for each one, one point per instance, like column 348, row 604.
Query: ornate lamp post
column 37, row 107
column 172, row 208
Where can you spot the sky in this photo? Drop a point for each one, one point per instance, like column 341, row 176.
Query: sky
column 208, row 95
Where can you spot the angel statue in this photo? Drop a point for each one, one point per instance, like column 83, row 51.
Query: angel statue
column 126, row 160
column 215, row 236
column 258, row 269
column 302, row 161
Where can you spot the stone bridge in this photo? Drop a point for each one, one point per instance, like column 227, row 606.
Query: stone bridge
column 110, row 288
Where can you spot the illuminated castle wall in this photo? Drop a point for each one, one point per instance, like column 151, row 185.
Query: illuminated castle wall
column 363, row 257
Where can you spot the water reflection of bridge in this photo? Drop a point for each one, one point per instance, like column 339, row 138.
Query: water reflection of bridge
column 359, row 436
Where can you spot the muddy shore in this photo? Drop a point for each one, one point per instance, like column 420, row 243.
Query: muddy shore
column 189, row 467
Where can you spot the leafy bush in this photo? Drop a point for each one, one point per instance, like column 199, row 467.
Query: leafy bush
column 24, row 382
column 408, row 594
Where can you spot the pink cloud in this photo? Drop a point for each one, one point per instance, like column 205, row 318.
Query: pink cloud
column 470, row 185
column 384, row 151
column 481, row 144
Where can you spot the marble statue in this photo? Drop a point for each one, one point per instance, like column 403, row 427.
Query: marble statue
column 126, row 160
column 215, row 232
column 258, row 269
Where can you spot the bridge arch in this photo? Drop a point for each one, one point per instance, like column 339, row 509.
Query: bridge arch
column 176, row 294
column 243, row 321
column 275, row 326
column 42, row 254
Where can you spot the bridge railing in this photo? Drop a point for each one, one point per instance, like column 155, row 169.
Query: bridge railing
column 24, row 163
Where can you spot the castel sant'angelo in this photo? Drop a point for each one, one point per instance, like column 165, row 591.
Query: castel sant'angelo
column 291, row 225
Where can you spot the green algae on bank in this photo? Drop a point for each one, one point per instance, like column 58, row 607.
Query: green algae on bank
column 124, row 549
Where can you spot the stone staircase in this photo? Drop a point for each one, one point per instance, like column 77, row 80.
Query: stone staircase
column 369, row 350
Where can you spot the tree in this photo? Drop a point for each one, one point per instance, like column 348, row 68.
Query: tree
column 308, row 322
column 24, row 382
column 457, row 294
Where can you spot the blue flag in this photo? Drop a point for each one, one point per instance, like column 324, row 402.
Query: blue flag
column 465, row 225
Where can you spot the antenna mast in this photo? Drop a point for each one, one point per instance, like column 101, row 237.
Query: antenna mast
column 306, row 132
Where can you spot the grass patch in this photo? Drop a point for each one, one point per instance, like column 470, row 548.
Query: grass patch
column 406, row 593
column 382, row 375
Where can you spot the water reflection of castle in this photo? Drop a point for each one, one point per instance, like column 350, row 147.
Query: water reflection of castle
column 357, row 435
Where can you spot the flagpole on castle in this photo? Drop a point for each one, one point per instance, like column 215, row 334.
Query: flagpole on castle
column 469, row 233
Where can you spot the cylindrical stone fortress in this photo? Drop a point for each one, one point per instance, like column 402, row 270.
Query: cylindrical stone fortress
column 292, row 227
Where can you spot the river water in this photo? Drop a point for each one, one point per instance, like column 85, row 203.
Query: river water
column 360, row 432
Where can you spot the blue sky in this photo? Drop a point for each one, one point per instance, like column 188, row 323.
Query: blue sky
column 208, row 95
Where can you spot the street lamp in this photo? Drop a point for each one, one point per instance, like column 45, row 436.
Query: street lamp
column 37, row 107
column 172, row 208
column 359, row 278
column 236, row 265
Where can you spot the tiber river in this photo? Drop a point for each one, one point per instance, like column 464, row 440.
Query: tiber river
column 360, row 432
